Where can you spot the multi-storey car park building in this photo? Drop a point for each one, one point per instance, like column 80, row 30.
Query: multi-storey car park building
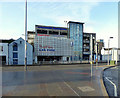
column 60, row 43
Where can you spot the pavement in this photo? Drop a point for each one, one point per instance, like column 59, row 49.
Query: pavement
column 59, row 80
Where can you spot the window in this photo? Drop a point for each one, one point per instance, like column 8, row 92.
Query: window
column 15, row 55
column 20, row 42
column 15, row 61
column 1, row 48
column 15, row 48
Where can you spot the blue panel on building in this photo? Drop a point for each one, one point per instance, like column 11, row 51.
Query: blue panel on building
column 59, row 28
column 54, row 28
column 45, row 27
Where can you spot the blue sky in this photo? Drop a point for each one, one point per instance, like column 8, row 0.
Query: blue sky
column 99, row 17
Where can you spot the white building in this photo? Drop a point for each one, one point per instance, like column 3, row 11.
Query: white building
column 113, row 54
column 17, row 52
column 3, row 53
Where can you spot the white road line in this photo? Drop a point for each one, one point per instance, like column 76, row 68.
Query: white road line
column 71, row 88
column 115, row 88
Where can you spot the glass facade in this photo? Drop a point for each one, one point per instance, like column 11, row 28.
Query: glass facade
column 76, row 33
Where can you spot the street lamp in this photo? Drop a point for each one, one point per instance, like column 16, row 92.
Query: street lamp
column 26, row 35
column 108, row 47
column 66, row 22
column 91, row 48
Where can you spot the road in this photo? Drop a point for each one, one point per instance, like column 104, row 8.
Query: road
column 68, row 80
column 113, row 74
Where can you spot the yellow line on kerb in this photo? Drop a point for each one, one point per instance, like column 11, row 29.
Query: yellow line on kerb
column 105, row 65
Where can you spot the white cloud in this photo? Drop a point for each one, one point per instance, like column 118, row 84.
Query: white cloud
column 71, row 12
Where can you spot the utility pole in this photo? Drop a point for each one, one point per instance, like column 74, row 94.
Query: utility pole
column 108, row 50
column 96, row 54
column 91, row 48
column 25, row 35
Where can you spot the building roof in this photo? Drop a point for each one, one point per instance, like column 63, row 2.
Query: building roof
column 51, row 27
column 6, row 40
column 17, row 40
column 111, row 48
column 88, row 33
column 31, row 32
column 76, row 22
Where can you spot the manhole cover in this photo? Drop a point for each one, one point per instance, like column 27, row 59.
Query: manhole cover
column 86, row 89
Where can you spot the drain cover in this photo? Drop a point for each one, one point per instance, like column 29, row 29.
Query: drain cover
column 86, row 89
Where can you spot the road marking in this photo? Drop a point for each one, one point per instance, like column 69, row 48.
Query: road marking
column 77, row 73
column 114, row 68
column 86, row 89
column 71, row 88
column 115, row 88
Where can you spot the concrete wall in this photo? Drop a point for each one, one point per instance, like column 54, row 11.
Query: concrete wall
column 21, row 52
column 115, row 55
column 5, row 51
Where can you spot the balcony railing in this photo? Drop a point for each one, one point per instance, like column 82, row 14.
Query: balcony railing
column 86, row 41
column 86, row 47
column 86, row 52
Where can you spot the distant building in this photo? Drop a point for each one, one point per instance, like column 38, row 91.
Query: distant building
column 31, row 36
column 113, row 54
column 100, row 45
column 17, row 52
column 87, row 44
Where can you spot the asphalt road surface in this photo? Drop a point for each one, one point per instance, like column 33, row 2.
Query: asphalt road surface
column 68, row 80
column 113, row 74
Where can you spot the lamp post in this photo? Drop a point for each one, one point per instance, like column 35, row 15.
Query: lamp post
column 108, row 47
column 91, row 48
column 26, row 35
column 66, row 22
